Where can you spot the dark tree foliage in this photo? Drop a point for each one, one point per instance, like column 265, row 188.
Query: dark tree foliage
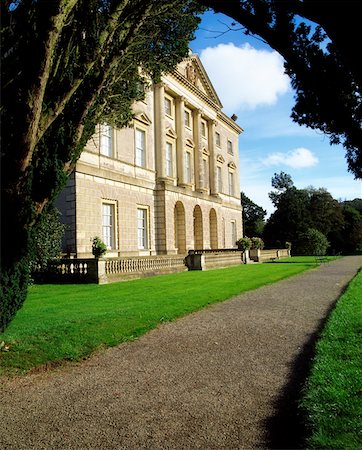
column 66, row 66
column 356, row 204
column 253, row 217
column 46, row 238
column 325, row 211
column 348, row 238
column 291, row 217
column 300, row 210
column 311, row 242
column 323, row 62
column 281, row 182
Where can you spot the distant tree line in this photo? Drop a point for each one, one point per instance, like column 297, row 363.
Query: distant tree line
column 310, row 218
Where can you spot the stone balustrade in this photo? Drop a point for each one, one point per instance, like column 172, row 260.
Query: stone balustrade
column 106, row 270
column 117, row 269
column 268, row 255
column 68, row 270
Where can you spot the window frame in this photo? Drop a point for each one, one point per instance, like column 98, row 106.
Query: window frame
column 169, row 159
column 231, row 183
column 233, row 233
column 143, row 238
column 219, row 179
column 188, row 167
column 140, row 158
column 169, row 101
column 110, row 239
column 205, row 169
column 187, row 118
column 230, row 146
column 203, row 127
column 217, row 139
column 106, row 140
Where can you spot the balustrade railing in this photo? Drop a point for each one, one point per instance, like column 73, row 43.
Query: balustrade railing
column 115, row 266
column 105, row 270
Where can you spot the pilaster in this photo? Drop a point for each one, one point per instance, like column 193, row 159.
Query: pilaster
column 160, row 128
column 180, row 141
column 212, row 160
column 196, row 117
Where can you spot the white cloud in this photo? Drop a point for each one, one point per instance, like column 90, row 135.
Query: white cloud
column 245, row 77
column 297, row 159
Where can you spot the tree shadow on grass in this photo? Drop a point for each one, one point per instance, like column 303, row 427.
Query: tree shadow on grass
column 287, row 428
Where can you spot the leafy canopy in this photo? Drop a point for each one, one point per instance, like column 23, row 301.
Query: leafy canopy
column 321, row 58
column 68, row 65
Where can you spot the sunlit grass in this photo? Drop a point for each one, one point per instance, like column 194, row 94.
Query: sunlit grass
column 333, row 397
column 68, row 322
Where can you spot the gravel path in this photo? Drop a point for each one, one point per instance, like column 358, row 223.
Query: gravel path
column 226, row 377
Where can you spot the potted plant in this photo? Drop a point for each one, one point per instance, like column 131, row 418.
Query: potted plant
column 257, row 243
column 99, row 248
column 243, row 243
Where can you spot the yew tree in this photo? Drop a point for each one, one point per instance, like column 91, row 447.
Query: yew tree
column 66, row 66
column 321, row 43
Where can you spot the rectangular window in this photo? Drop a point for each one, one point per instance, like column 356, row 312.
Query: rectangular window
column 140, row 147
column 187, row 119
column 219, row 181
column 231, row 183
column 168, row 106
column 108, row 230
column 233, row 233
column 218, row 139
column 230, row 147
column 169, row 168
column 106, row 140
column 188, row 167
column 206, row 173
column 203, row 129
column 142, row 228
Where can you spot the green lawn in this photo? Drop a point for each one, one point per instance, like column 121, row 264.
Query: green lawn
column 68, row 322
column 332, row 400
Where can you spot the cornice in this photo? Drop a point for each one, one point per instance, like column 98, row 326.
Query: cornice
column 226, row 119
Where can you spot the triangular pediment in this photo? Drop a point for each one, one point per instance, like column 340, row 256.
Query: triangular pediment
column 220, row 159
column 190, row 143
column 171, row 133
column 232, row 165
column 194, row 72
column 143, row 117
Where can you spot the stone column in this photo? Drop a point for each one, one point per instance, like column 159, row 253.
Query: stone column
column 196, row 116
column 212, row 160
column 160, row 129
column 180, row 141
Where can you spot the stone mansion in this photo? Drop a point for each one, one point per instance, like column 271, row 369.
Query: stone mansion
column 167, row 184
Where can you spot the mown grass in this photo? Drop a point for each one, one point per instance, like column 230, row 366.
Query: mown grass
column 332, row 400
column 68, row 322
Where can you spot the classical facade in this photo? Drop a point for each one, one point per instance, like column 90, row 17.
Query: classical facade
column 167, row 184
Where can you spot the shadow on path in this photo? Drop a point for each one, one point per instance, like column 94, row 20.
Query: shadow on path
column 287, row 428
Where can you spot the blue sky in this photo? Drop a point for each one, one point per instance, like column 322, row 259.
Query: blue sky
column 248, row 77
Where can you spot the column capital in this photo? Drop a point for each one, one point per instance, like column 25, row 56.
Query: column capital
column 161, row 84
column 180, row 98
